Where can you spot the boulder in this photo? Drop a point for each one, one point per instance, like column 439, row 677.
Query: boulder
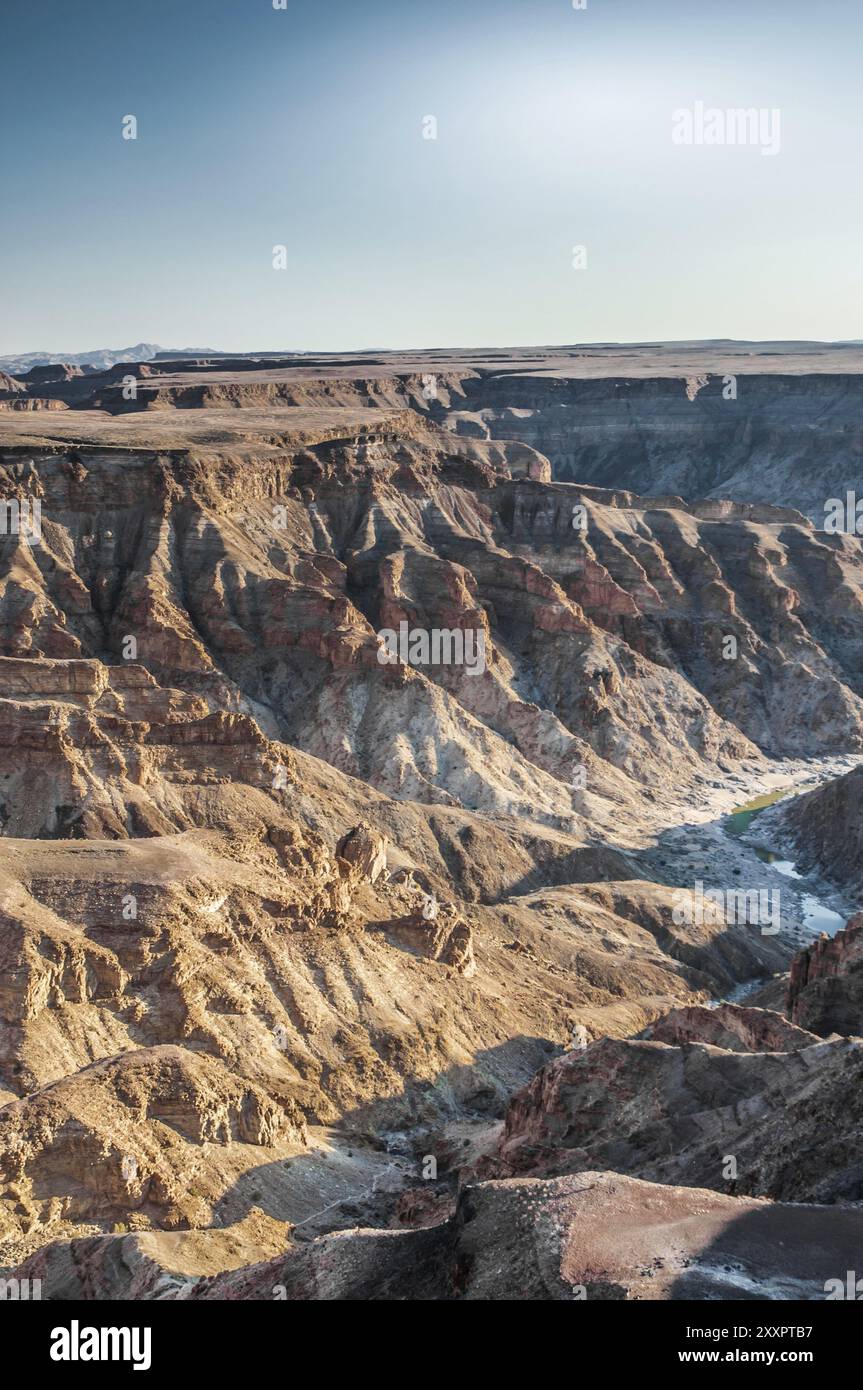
column 366, row 849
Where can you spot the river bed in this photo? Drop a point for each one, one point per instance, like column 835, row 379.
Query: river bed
column 719, row 843
column 816, row 917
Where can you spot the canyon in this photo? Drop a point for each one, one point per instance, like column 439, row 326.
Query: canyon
column 327, row 973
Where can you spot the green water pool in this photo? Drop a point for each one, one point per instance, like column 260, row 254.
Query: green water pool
column 740, row 818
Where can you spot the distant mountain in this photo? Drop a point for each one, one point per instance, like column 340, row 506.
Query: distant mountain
column 99, row 357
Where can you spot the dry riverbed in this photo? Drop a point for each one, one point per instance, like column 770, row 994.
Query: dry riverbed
column 703, row 850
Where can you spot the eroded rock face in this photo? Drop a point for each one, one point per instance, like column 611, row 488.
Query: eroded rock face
column 235, row 950
column 676, row 1113
column 252, row 588
column 448, row 938
column 673, row 431
column 700, row 420
column 825, row 826
column 126, row 1134
column 366, row 850
column 825, row 989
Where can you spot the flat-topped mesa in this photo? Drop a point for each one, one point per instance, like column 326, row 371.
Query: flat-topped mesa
column 251, row 454
column 214, row 386
column 51, row 372
column 760, row 422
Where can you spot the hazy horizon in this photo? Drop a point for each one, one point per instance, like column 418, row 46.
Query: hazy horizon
column 61, row 354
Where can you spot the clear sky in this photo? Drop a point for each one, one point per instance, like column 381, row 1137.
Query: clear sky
column 304, row 127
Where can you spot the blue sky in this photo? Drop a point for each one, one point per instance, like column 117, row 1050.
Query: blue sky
column 304, row 127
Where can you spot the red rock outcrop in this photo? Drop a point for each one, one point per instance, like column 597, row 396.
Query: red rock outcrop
column 789, row 1120
column 825, row 989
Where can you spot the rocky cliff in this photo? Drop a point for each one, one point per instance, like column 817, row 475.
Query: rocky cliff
column 336, row 734
column 825, row 829
column 825, row 989
column 771, row 422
